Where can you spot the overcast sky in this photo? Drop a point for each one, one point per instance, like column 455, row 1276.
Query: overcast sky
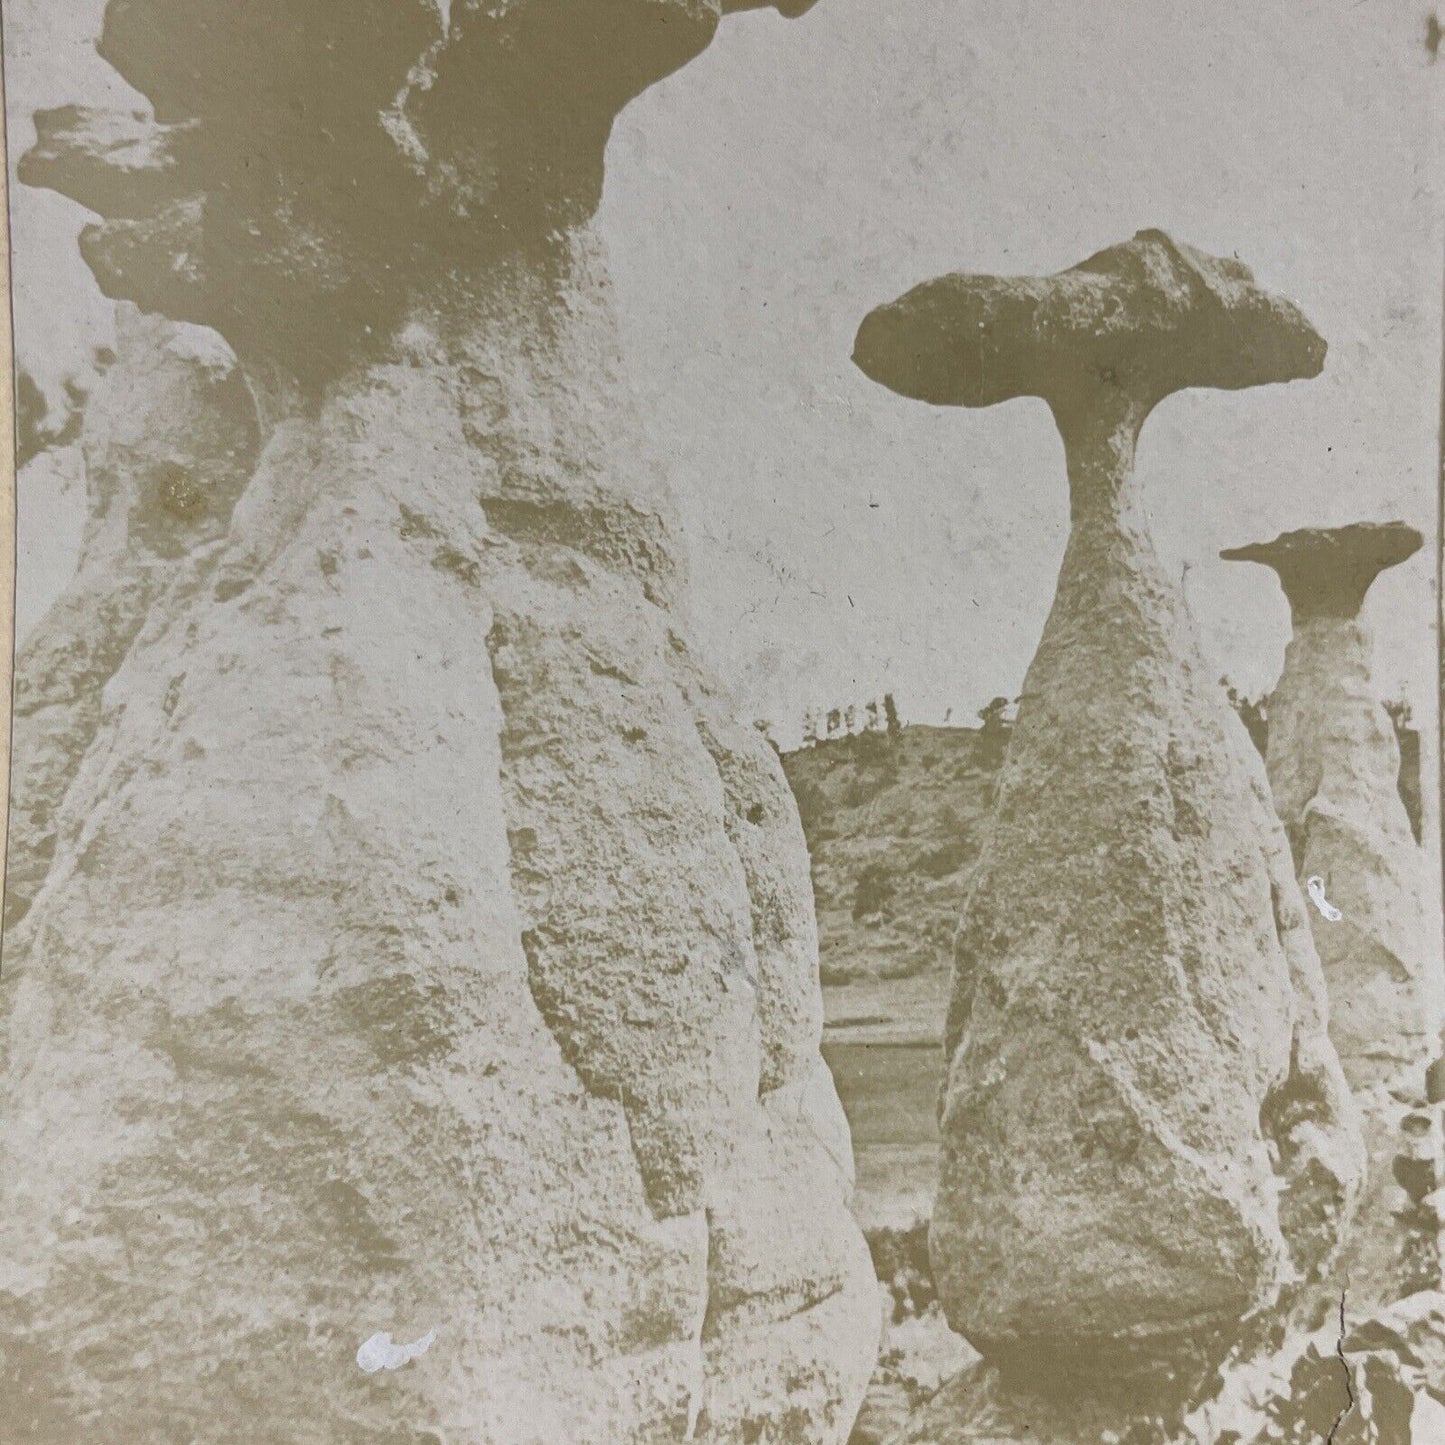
column 845, row 541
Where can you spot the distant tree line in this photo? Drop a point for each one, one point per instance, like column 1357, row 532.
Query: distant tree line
column 878, row 715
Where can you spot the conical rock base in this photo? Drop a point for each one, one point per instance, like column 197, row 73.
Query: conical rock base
column 1146, row 1131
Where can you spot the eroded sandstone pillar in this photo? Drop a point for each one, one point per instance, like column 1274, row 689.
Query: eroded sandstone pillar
column 425, row 945
column 1147, row 1134
column 1333, row 763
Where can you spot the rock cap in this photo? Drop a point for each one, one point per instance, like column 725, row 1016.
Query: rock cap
column 1326, row 571
column 1150, row 315
column 305, row 159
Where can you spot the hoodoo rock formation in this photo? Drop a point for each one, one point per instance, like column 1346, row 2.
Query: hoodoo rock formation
column 1146, row 1129
column 1333, row 760
column 424, row 946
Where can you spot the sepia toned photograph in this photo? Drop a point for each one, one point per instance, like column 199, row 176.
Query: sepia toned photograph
column 726, row 723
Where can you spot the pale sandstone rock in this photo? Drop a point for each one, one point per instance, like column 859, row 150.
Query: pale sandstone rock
column 1333, row 761
column 425, row 946
column 168, row 442
column 1146, row 1129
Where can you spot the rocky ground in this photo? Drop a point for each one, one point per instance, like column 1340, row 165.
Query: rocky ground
column 919, row 1352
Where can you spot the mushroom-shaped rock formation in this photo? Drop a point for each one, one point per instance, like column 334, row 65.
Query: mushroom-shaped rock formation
column 1146, row 1130
column 1333, row 763
column 1107, row 339
column 1326, row 572
column 424, row 945
column 292, row 200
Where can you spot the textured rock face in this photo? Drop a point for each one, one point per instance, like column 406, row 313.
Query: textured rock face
column 169, row 442
column 1377, row 1379
column 1134, row 947
column 425, row 946
column 1333, row 760
column 1146, row 1129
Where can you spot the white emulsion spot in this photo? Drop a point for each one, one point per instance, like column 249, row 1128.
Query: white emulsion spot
column 1315, row 887
column 378, row 1353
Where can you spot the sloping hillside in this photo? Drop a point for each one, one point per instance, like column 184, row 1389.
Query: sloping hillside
column 894, row 823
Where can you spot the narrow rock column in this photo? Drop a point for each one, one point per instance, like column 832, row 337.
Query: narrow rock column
column 425, row 945
column 1146, row 1130
column 1333, row 763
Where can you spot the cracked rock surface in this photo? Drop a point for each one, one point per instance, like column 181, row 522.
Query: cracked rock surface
column 1333, row 760
column 168, row 444
column 1369, row 1377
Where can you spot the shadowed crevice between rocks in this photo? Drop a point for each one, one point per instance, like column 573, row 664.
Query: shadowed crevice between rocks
column 1348, row 1374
